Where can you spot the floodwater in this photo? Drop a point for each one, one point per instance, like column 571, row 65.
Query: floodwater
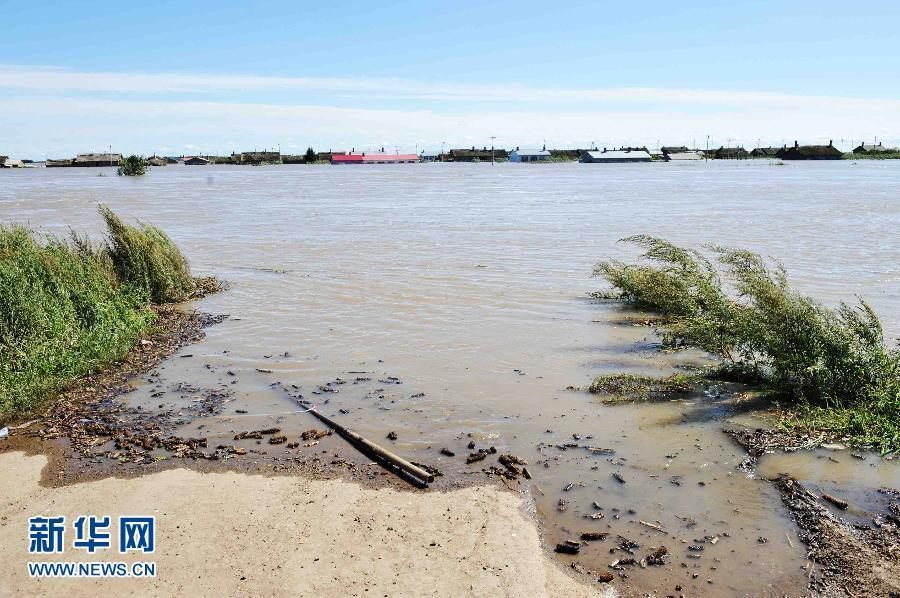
column 469, row 283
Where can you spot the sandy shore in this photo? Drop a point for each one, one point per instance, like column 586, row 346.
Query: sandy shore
column 227, row 534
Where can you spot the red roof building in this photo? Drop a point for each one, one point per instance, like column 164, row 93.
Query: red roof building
column 374, row 158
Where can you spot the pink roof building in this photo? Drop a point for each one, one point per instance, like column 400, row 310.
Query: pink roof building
column 374, row 159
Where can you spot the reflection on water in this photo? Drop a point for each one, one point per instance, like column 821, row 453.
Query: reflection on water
column 468, row 283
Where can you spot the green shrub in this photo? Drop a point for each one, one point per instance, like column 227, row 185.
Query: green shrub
column 69, row 307
column 132, row 166
column 62, row 315
column 146, row 259
column 310, row 157
column 806, row 353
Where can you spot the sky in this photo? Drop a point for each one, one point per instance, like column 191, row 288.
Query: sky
column 176, row 78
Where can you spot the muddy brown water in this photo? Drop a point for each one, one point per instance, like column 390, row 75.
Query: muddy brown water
column 468, row 283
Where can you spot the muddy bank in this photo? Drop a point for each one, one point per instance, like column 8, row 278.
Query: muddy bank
column 846, row 558
column 95, row 430
column 291, row 536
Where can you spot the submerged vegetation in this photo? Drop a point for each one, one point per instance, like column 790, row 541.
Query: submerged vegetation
column 70, row 307
column 641, row 388
column 132, row 166
column 832, row 367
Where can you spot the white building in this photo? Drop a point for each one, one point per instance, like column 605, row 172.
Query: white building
column 615, row 156
column 529, row 155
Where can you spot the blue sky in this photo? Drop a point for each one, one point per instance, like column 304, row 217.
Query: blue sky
column 182, row 77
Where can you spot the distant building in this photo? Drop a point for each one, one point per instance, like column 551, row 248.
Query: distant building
column 685, row 155
column 326, row 156
column 673, row 149
column 731, row 153
column 866, row 148
column 156, row 161
column 616, row 156
column 293, row 159
column 97, row 160
column 764, row 152
column 529, row 155
column 810, row 152
column 474, row 155
column 195, row 161
column 6, row 162
column 374, row 158
column 60, row 163
column 257, row 158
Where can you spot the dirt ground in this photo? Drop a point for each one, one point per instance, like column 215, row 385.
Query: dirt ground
column 229, row 534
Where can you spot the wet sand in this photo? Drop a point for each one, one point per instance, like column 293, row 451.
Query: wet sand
column 230, row 534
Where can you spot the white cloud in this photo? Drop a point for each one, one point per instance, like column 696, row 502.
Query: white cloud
column 62, row 80
column 57, row 112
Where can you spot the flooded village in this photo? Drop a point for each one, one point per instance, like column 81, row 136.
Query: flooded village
column 590, row 155
column 532, row 300
column 475, row 363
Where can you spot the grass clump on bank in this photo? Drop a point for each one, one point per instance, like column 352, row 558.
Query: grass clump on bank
column 147, row 260
column 69, row 307
column 832, row 366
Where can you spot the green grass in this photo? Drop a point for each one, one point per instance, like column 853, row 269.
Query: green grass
column 69, row 308
column 831, row 366
column 147, row 260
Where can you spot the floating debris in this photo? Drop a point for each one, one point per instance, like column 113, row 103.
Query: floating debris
column 838, row 502
column 568, row 547
column 314, row 434
column 256, row 434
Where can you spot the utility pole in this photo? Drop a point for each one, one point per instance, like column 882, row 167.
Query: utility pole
column 443, row 143
column 706, row 153
column 492, row 149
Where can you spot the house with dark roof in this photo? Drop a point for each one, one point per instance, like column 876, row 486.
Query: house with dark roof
column 673, row 149
column 764, row 152
column 810, row 152
column 476, row 155
column 868, row 148
column 195, row 161
column 731, row 153
column 97, row 160
column 58, row 163
column 257, row 158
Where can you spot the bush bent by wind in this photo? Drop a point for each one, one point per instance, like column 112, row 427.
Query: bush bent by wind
column 146, row 259
column 735, row 305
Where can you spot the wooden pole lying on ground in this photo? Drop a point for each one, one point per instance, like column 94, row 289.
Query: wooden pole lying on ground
column 411, row 473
